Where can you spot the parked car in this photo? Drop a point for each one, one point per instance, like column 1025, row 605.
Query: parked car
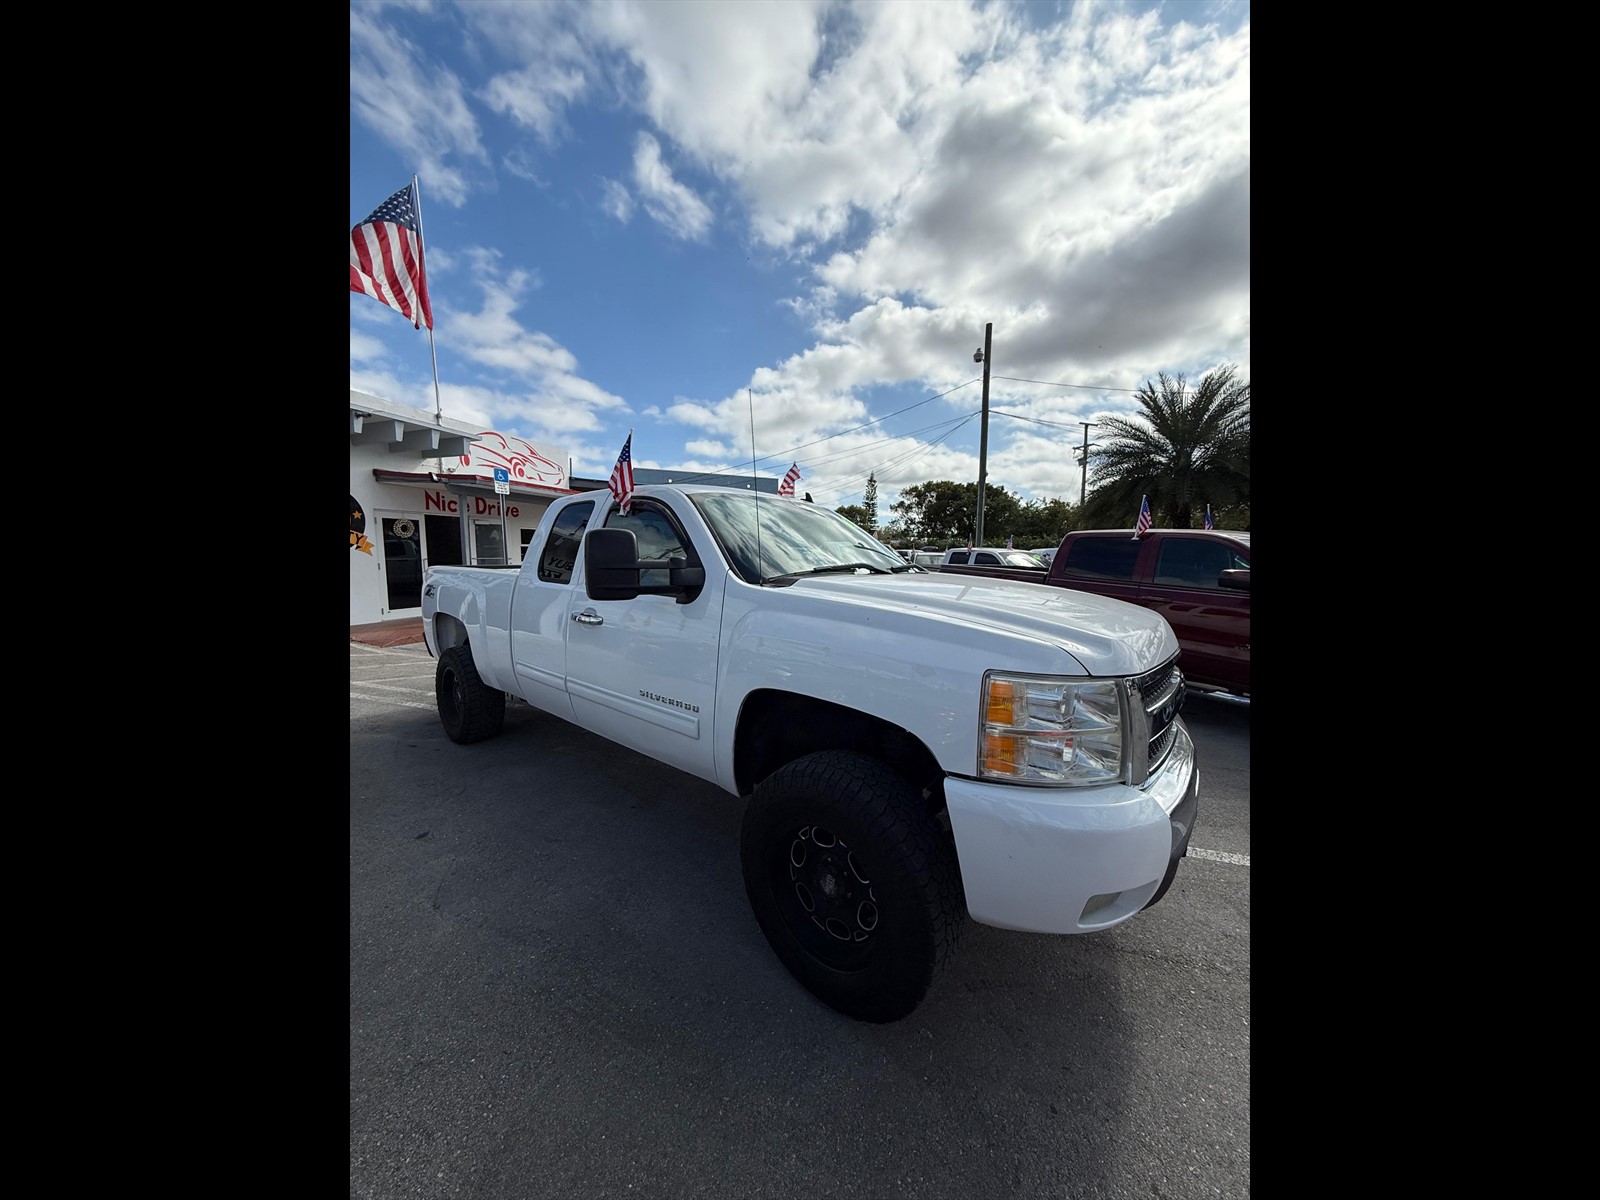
column 927, row 558
column 992, row 556
column 1198, row 579
column 996, row 562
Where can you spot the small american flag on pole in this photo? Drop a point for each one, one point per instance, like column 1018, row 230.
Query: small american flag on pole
column 386, row 258
column 622, row 475
column 786, row 488
column 1208, row 516
column 1144, row 518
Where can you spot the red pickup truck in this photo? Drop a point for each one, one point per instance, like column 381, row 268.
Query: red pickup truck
column 1198, row 579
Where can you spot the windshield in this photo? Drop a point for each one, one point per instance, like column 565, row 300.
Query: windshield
column 1019, row 558
column 794, row 537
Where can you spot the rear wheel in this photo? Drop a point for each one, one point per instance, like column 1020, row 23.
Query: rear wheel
column 856, row 889
column 469, row 709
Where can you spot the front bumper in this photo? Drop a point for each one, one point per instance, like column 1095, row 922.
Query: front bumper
column 1073, row 860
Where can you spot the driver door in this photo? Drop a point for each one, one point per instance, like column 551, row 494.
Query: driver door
column 643, row 672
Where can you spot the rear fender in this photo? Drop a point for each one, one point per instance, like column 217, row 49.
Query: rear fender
column 448, row 631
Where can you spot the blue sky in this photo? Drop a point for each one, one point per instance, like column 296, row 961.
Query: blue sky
column 659, row 215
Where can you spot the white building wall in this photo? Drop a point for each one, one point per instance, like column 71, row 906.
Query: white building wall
column 369, row 593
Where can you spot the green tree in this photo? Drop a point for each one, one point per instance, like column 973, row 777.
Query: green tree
column 1184, row 450
column 943, row 513
column 869, row 501
column 1040, row 523
column 894, row 533
column 856, row 514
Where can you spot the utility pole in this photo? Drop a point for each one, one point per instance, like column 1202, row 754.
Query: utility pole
column 983, row 437
column 1083, row 490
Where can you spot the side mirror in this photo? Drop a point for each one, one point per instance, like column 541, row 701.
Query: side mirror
column 611, row 566
column 1238, row 580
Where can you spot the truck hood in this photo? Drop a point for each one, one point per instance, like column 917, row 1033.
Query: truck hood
column 1108, row 636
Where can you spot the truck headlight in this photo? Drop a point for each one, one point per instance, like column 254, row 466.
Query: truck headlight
column 1050, row 731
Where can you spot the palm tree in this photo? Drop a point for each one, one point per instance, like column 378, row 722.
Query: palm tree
column 1184, row 451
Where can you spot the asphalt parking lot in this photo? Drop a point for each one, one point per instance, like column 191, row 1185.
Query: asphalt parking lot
column 557, row 989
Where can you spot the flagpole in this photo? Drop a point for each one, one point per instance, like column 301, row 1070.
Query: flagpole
column 422, row 242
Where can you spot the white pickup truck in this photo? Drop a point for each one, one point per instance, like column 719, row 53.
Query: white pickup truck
column 914, row 747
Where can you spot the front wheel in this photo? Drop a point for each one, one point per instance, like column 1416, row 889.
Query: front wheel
column 855, row 887
column 469, row 709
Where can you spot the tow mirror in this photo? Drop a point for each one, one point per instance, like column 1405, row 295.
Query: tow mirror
column 611, row 566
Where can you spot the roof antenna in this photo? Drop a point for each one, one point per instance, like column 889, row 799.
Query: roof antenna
column 755, row 483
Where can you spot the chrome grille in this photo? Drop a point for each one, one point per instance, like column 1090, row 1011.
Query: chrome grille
column 1160, row 695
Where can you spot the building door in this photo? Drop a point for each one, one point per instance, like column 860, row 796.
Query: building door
column 402, row 562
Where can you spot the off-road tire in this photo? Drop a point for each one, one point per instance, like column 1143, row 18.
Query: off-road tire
column 469, row 709
column 881, row 879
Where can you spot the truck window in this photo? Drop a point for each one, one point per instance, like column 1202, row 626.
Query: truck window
column 561, row 547
column 983, row 559
column 958, row 558
column 1103, row 558
column 658, row 537
column 1191, row 562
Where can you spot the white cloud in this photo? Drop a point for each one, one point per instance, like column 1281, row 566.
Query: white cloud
column 535, row 98
column 536, row 381
column 364, row 346
column 674, row 206
column 422, row 112
column 615, row 200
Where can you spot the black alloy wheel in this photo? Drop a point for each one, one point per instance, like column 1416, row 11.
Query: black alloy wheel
column 854, row 885
column 469, row 709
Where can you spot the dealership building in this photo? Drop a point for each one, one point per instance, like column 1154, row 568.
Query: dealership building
column 428, row 490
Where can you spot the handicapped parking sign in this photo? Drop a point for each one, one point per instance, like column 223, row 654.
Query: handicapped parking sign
column 502, row 481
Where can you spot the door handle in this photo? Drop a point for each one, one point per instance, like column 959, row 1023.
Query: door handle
column 588, row 617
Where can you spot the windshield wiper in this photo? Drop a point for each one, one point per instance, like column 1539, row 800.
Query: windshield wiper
column 830, row 568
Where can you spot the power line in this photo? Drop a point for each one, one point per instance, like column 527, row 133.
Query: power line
column 903, row 460
column 813, row 462
column 1086, row 387
column 1019, row 417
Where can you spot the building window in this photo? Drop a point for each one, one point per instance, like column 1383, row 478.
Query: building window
column 490, row 542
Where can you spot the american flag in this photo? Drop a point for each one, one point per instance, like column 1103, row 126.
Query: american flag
column 1208, row 516
column 1009, row 545
column 786, row 488
column 386, row 259
column 622, row 475
column 1144, row 518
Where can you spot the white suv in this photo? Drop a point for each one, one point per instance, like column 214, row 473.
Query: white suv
column 990, row 556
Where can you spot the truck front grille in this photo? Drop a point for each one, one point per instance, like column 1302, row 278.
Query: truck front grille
column 1159, row 695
